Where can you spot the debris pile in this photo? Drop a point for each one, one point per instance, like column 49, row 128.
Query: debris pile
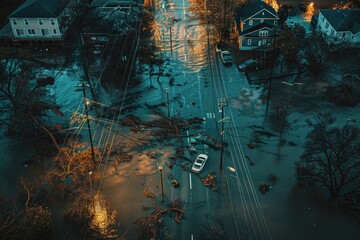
column 209, row 181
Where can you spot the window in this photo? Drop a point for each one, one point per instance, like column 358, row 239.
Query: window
column 40, row 21
column 250, row 22
column 31, row 31
column 262, row 20
column 326, row 25
column 264, row 41
column 14, row 21
column 54, row 32
column 45, row 32
column 264, row 33
column 263, row 13
column 52, row 22
column 26, row 21
column 20, row 32
column 249, row 42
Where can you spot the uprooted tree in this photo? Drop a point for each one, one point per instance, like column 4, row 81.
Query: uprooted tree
column 152, row 226
column 330, row 161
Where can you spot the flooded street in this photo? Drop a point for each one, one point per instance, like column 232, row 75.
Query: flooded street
column 193, row 82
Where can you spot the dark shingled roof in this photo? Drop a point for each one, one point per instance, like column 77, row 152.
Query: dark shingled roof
column 343, row 20
column 40, row 9
column 250, row 9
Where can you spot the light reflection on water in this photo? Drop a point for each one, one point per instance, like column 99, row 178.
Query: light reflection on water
column 188, row 45
column 104, row 220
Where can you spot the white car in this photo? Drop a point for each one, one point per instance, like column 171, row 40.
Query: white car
column 226, row 58
column 199, row 163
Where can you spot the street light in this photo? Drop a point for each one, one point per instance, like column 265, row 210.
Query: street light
column 160, row 166
column 91, row 191
column 90, row 173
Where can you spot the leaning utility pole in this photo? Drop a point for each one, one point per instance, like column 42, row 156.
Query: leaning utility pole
column 222, row 103
column 88, row 123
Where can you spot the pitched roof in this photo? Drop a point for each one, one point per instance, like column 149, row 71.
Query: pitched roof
column 343, row 20
column 252, row 8
column 40, row 9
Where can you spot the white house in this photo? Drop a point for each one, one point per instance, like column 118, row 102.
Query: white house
column 339, row 26
column 41, row 20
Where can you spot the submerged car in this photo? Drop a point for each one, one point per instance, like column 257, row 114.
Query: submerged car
column 226, row 58
column 173, row 181
column 199, row 163
column 248, row 64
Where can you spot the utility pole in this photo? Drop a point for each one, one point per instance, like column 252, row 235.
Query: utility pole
column 170, row 38
column 162, row 185
column 88, row 123
column 271, row 71
column 168, row 102
column 222, row 103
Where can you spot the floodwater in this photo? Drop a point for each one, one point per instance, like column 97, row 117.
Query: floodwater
column 290, row 213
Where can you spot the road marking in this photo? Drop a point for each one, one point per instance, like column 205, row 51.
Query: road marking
column 190, row 181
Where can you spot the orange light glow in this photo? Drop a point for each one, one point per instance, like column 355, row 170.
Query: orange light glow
column 310, row 11
column 273, row 4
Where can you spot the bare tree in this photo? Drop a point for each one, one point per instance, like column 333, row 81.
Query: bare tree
column 29, row 223
column 347, row 91
column 330, row 161
column 24, row 99
column 72, row 165
column 316, row 53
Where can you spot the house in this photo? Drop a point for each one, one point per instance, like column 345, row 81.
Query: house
column 340, row 26
column 255, row 24
column 41, row 20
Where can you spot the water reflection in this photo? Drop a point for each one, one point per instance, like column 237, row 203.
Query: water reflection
column 104, row 220
column 182, row 42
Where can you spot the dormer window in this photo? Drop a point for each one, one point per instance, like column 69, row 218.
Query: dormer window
column 26, row 21
column 14, row 21
column 52, row 22
column 250, row 22
column 40, row 21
